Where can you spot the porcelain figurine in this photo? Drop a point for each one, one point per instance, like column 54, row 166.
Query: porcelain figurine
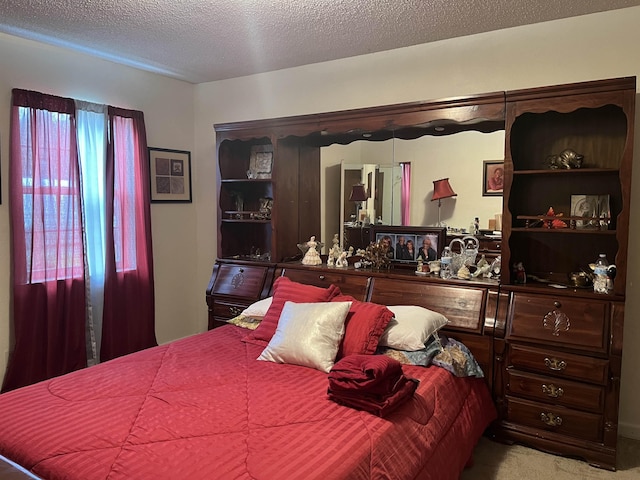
column 312, row 257
column 341, row 262
column 464, row 273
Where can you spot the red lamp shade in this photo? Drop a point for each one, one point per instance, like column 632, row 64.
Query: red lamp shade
column 358, row 193
column 442, row 189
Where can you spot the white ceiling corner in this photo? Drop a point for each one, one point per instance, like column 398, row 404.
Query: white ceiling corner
column 207, row 40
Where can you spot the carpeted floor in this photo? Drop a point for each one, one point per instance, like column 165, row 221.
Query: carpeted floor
column 495, row 461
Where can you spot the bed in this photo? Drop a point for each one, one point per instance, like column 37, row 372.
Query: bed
column 205, row 407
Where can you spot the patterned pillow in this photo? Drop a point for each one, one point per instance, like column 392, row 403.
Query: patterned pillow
column 285, row 290
column 250, row 323
column 365, row 324
column 440, row 351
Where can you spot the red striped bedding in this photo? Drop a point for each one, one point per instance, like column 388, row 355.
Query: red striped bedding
column 204, row 408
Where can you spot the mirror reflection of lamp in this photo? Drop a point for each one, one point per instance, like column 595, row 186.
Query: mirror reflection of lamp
column 358, row 195
column 441, row 189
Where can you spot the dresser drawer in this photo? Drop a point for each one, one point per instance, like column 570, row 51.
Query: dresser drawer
column 556, row 391
column 223, row 310
column 564, row 365
column 244, row 281
column 490, row 245
column 354, row 285
column 560, row 320
column 554, row 418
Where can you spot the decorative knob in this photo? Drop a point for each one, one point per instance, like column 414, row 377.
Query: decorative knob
column 552, row 391
column 551, row 419
column 321, row 277
column 235, row 311
column 242, row 270
column 557, row 304
column 555, row 364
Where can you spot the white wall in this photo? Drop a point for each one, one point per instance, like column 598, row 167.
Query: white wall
column 169, row 118
column 584, row 48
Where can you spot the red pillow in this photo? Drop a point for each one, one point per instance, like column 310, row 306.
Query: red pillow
column 285, row 290
column 365, row 324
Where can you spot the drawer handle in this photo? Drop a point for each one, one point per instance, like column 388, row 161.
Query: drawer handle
column 552, row 391
column 235, row 311
column 555, row 364
column 321, row 277
column 551, row 419
column 557, row 304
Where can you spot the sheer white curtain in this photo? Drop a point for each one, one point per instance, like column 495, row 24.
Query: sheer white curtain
column 92, row 123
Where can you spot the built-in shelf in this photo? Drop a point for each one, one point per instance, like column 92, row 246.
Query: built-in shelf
column 570, row 171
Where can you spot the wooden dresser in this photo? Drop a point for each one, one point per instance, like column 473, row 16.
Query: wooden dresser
column 234, row 286
column 560, row 363
column 554, row 354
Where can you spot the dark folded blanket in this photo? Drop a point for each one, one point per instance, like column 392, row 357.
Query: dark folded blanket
column 373, row 374
column 380, row 405
column 374, row 383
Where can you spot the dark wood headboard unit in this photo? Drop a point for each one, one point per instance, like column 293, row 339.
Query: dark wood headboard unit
column 472, row 307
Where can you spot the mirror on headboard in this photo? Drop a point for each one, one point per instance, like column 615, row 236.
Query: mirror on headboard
column 459, row 157
column 381, row 183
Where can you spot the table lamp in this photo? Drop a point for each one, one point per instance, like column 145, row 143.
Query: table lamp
column 441, row 189
column 358, row 195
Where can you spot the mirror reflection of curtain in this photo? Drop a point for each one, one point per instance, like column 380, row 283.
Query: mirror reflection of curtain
column 405, row 193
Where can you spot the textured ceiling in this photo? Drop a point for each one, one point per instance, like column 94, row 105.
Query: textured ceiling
column 205, row 40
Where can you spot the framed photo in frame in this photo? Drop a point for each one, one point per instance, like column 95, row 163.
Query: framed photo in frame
column 170, row 175
column 492, row 178
column 407, row 243
column 260, row 162
column 590, row 211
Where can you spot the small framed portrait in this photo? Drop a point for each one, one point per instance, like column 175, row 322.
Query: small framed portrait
column 590, row 211
column 261, row 161
column 492, row 178
column 170, row 175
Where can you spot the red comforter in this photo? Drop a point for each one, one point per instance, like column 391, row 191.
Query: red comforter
column 204, row 408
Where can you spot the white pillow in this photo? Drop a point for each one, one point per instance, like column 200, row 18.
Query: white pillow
column 258, row 309
column 308, row 334
column 411, row 327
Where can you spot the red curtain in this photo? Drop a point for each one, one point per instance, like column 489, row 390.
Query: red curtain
column 405, row 193
column 49, row 289
column 128, row 321
column 46, row 233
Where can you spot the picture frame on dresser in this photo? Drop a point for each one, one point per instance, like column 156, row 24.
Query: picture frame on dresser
column 169, row 175
column 400, row 236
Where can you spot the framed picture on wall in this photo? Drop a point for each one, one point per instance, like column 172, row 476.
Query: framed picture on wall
column 170, row 175
column 492, row 178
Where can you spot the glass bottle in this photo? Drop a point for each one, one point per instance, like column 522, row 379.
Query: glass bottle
column 601, row 281
column 445, row 262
